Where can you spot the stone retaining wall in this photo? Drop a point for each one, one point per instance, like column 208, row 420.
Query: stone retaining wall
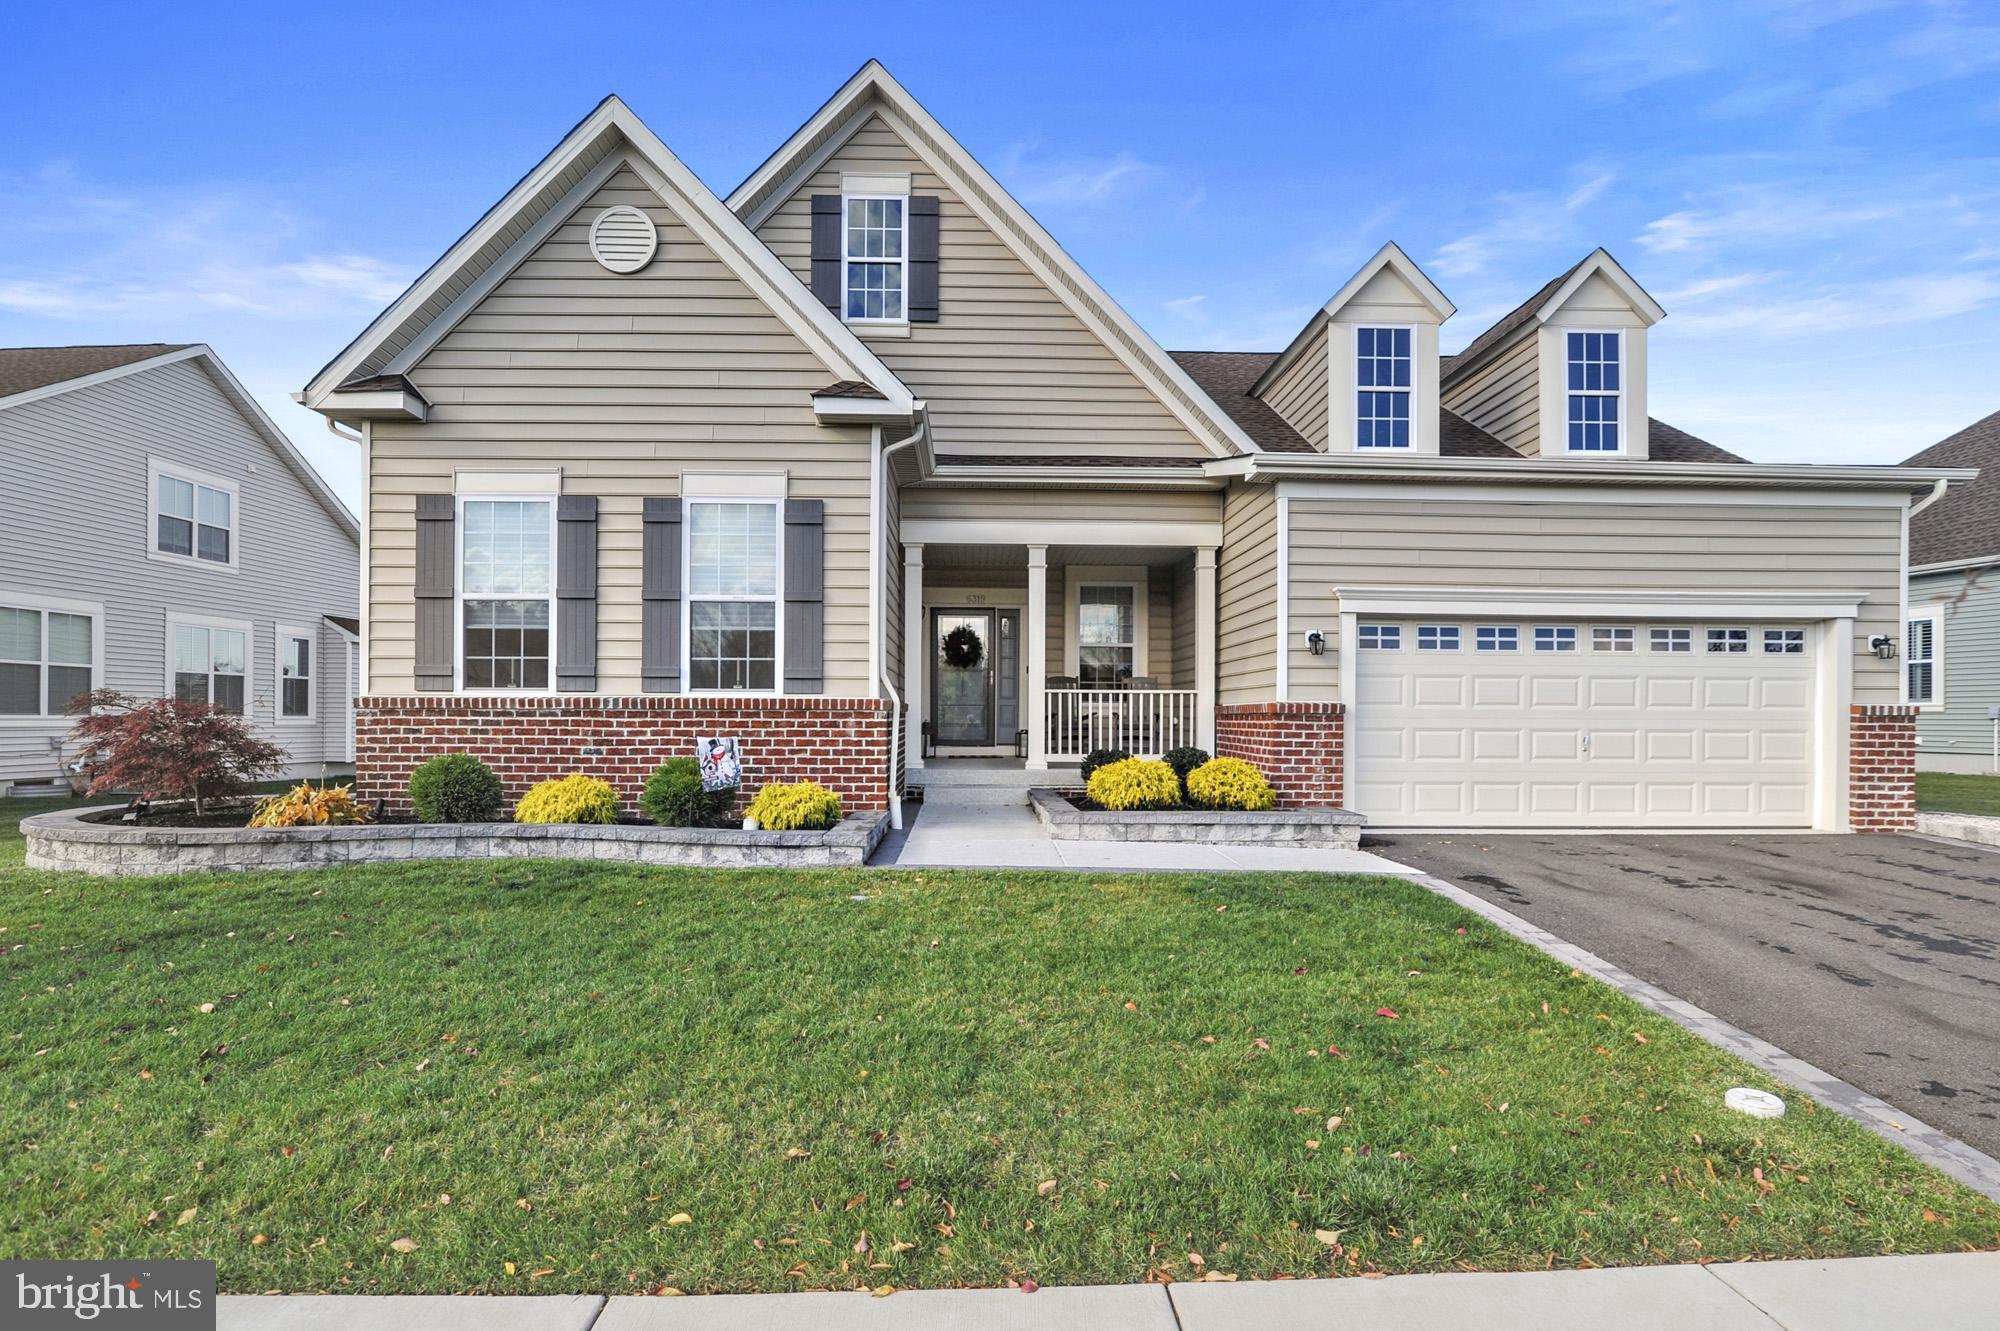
column 63, row 840
column 1335, row 828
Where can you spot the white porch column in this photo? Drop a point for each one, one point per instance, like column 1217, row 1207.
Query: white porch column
column 1204, row 647
column 916, row 642
column 1038, row 658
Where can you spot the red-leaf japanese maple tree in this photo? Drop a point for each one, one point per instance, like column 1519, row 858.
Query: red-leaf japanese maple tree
column 167, row 748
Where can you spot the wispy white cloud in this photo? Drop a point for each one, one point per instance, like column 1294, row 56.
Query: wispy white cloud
column 1523, row 222
column 1185, row 305
column 1885, row 303
column 1078, row 182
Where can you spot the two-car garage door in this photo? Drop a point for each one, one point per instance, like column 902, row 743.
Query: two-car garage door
column 1527, row 723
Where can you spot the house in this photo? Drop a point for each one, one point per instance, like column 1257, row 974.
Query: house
column 1951, row 650
column 858, row 466
column 159, row 535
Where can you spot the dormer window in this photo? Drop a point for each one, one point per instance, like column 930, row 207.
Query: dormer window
column 1382, row 387
column 875, row 258
column 1596, row 392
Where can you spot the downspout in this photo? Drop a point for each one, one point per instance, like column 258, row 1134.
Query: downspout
column 1938, row 487
column 882, row 473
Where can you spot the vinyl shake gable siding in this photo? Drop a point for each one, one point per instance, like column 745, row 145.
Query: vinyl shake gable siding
column 623, row 382
column 1006, row 369
column 76, row 523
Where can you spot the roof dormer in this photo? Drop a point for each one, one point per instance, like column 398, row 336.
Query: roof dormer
column 1363, row 375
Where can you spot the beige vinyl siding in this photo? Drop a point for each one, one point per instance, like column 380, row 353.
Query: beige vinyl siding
column 1182, row 612
column 1605, row 545
column 1299, row 394
column 1502, row 396
column 1247, row 596
column 1007, row 369
column 622, row 382
column 892, row 586
column 76, row 522
column 1067, row 505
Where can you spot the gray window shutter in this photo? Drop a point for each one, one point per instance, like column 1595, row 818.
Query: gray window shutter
column 576, row 594
column 436, row 592
column 826, row 250
column 660, row 623
column 805, row 596
column 923, row 258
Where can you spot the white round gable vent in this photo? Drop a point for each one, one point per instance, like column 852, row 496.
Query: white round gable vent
column 623, row 239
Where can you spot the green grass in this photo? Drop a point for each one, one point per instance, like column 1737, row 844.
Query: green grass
column 1952, row 792
column 543, row 1064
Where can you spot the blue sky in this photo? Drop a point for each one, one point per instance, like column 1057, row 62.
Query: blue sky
column 1811, row 189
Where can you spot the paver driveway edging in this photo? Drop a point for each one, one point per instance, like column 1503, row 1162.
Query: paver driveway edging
column 1970, row 1166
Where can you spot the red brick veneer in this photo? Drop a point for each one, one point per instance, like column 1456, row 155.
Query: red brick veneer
column 843, row 743
column 1882, row 769
column 1299, row 746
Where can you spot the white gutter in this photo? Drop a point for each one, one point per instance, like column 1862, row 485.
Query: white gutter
column 1307, row 466
column 877, row 611
column 1938, row 487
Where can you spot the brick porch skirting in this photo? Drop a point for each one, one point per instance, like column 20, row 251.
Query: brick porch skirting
column 1882, row 769
column 1299, row 746
column 842, row 743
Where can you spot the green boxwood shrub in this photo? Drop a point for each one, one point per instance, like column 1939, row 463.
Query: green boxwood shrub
column 1183, row 761
column 674, row 797
column 455, row 788
column 1097, row 758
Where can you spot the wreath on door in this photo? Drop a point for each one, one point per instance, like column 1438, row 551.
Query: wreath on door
column 962, row 648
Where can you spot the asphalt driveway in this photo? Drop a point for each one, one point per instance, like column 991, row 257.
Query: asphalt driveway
column 1877, row 958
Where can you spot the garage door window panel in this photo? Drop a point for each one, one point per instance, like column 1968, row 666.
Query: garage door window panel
column 1674, row 641
column 1498, row 638
column 1381, row 637
column 1437, row 637
column 1785, row 642
column 1611, row 639
column 1554, row 638
column 1728, row 642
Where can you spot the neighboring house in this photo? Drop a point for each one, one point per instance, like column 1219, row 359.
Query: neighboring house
column 1951, row 652
column 861, row 446
column 160, row 534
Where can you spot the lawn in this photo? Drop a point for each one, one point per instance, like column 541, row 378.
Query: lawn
column 1953, row 792
column 556, row 1077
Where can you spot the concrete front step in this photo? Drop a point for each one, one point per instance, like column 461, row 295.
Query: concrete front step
column 942, row 773
column 975, row 797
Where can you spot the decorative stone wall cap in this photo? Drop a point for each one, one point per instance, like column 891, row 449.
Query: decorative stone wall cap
column 1280, row 709
column 601, row 702
column 1059, row 808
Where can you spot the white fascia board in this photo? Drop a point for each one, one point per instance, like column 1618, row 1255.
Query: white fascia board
column 1594, row 602
column 1954, row 565
column 374, row 404
column 1600, row 261
column 1057, row 531
column 862, row 410
column 1042, row 478
column 1392, row 257
column 1308, row 467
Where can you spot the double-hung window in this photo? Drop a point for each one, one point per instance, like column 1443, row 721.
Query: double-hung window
column 1382, row 387
column 295, row 675
column 732, row 596
column 1921, row 666
column 875, row 257
column 506, row 592
column 211, row 664
column 1107, row 634
column 1596, row 392
column 194, row 517
column 46, row 658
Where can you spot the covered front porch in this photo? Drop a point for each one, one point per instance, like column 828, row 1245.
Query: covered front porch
column 1036, row 654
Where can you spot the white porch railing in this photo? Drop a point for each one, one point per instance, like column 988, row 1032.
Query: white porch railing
column 1147, row 722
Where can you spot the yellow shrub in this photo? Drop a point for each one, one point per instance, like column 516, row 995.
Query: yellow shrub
column 569, row 799
column 1135, row 783
column 1230, row 783
column 804, row 806
column 308, row 805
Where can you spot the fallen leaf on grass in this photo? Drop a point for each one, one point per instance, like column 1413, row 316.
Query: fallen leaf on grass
column 797, row 1153
column 1333, row 1124
column 1029, row 1286
column 259, row 1240
column 1390, row 1013
column 1640, row 1038
column 507, row 1267
column 882, row 1291
column 1331, row 1237
column 680, row 1218
column 186, row 1215
column 404, row 1245
column 1045, row 1187
column 1212, row 1277
column 206, row 1008
column 668, row 1292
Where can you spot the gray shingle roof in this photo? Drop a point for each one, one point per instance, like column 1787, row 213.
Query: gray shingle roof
column 26, row 368
column 1965, row 524
column 1507, row 323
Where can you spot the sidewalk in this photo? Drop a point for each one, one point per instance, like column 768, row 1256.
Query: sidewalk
column 1939, row 1293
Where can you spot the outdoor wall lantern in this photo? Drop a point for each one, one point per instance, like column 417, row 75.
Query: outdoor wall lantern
column 1316, row 643
column 1884, row 646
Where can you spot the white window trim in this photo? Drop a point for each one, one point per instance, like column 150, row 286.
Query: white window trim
column 688, row 598
column 1409, row 393
column 1936, row 618
column 176, row 620
column 458, row 593
column 846, row 260
column 1438, row 632
column 45, row 604
column 1506, row 639
column 1078, row 576
column 278, row 675
column 1624, row 381
column 158, row 467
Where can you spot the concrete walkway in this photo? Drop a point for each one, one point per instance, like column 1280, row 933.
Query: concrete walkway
column 999, row 835
column 1939, row 1293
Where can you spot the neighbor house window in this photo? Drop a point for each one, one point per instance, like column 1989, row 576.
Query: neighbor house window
column 1785, row 642
column 732, row 568
column 1437, row 637
column 193, row 518
column 1107, row 634
column 506, row 590
column 1554, row 638
column 212, row 665
column 45, row 659
column 1732, row 642
column 1382, row 379
column 1498, row 638
column 1921, row 668
column 1380, row 637
column 295, row 676
column 1673, row 640
column 875, row 259
column 1595, row 392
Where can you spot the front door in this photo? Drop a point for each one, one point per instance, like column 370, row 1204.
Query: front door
column 975, row 674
